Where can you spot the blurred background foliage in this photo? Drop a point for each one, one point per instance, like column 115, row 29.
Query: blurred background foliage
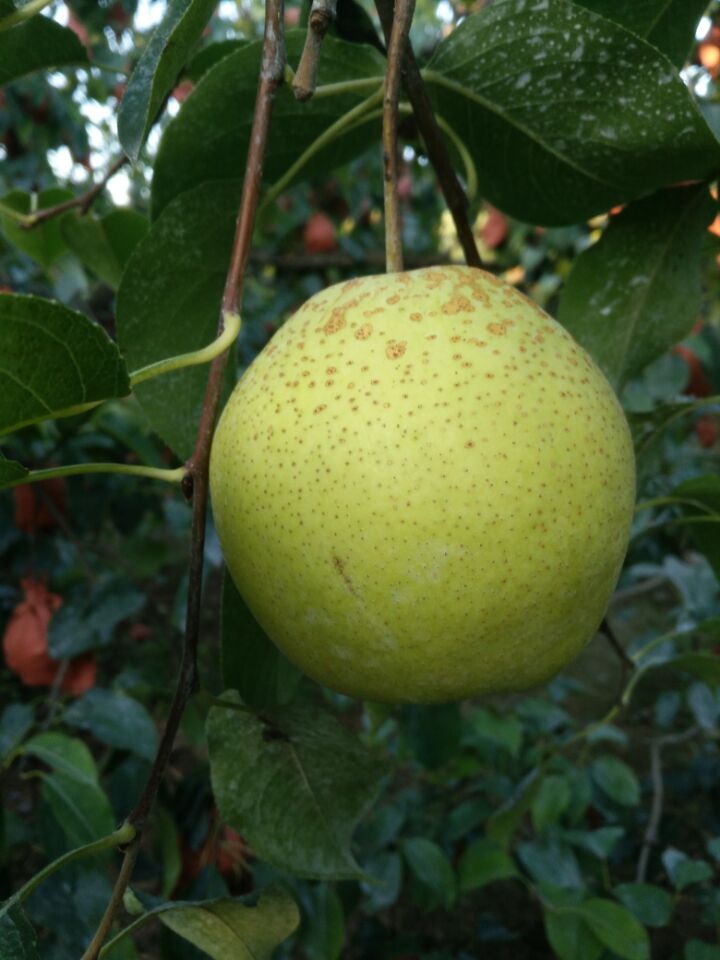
column 504, row 828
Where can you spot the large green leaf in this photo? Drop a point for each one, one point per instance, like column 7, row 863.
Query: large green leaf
column 104, row 244
column 704, row 496
column 226, row 928
column 169, row 303
column 668, row 25
column 36, row 45
column 637, row 290
column 617, row 780
column 294, row 788
column 251, row 663
column 652, row 905
column 43, row 243
column 158, row 67
column 208, row 140
column 564, row 112
column 52, row 361
column 483, row 862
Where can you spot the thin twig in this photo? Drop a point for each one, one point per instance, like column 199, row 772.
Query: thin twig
column 616, row 645
column 83, row 202
column 434, row 143
column 271, row 76
column 656, row 775
column 322, row 14
column 399, row 33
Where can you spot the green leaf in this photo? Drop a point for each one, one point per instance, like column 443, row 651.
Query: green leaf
column 617, row 780
column 668, row 25
column 227, row 928
column 251, row 663
column 616, row 928
column 386, row 870
column 52, row 361
column 16, row 720
column 36, row 45
column 324, row 924
column 505, row 732
column 550, row 862
column 699, row 950
column 704, row 491
column 713, row 847
column 311, row 782
column 43, row 243
column 550, row 802
column 505, row 821
column 570, row 937
column 432, row 732
column 157, row 69
column 652, row 905
column 598, row 842
column 87, row 620
column 115, row 719
column 206, row 58
column 72, row 791
column 104, row 244
column 17, row 937
column 637, row 290
column 209, row 138
column 431, row 868
column 483, row 862
column 565, row 113
column 169, row 303
column 11, row 472
column 683, row 871
column 705, row 707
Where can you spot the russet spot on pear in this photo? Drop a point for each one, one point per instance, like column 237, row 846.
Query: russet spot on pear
column 423, row 488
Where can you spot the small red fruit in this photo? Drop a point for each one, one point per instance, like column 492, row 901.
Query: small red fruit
column 37, row 506
column 319, row 234
column 496, row 229
column 698, row 384
column 25, row 643
column 706, row 430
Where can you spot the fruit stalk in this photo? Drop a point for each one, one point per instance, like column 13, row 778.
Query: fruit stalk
column 322, row 14
column 399, row 33
column 433, row 140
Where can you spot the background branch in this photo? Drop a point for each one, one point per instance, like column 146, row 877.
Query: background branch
column 196, row 485
column 83, row 202
column 656, row 775
column 434, row 143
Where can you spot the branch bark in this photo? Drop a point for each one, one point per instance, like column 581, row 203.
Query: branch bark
column 434, row 142
column 83, row 202
column 397, row 43
column 196, row 480
column 322, row 15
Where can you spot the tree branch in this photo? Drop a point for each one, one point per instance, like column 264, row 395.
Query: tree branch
column 83, row 202
column 322, row 14
column 616, row 645
column 399, row 32
column 434, row 143
column 656, row 774
column 196, row 485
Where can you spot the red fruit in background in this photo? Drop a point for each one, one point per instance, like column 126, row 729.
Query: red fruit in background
column 25, row 643
column 496, row 229
column 319, row 234
column 405, row 187
column 706, row 430
column 698, row 384
column 292, row 17
column 182, row 91
column 37, row 505
column 223, row 848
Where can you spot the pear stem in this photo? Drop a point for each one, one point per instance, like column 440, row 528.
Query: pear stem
column 399, row 33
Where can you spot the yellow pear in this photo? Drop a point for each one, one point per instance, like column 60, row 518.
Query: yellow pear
column 423, row 488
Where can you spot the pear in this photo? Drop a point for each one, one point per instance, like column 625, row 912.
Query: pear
column 423, row 488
